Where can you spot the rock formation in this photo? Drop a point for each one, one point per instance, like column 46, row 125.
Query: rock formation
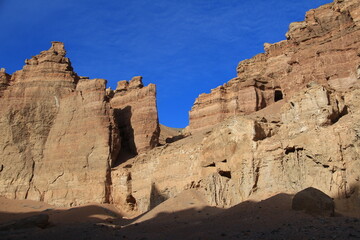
column 290, row 120
column 4, row 80
column 58, row 137
column 136, row 115
column 307, row 138
column 323, row 48
column 313, row 201
column 254, row 156
column 62, row 133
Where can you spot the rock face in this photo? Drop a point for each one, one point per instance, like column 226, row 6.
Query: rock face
column 308, row 138
column 58, row 136
column 296, row 125
column 136, row 115
column 323, row 48
column 4, row 80
column 315, row 144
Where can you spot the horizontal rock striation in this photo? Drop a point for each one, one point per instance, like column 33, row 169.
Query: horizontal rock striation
column 316, row 144
column 65, row 138
column 308, row 138
column 136, row 115
column 58, row 136
column 323, row 48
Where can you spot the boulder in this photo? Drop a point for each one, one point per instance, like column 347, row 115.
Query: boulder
column 313, row 201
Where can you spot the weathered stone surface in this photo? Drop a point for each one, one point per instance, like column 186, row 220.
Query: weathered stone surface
column 314, row 202
column 307, row 139
column 84, row 175
column 136, row 115
column 316, row 106
column 244, row 158
column 58, row 137
column 4, row 80
column 324, row 48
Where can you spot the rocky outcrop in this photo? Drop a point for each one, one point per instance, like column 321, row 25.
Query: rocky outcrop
column 324, row 48
column 314, row 202
column 4, row 80
column 308, row 138
column 61, row 133
column 58, row 136
column 314, row 144
column 136, row 115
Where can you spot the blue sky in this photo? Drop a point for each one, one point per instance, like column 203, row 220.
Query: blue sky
column 185, row 47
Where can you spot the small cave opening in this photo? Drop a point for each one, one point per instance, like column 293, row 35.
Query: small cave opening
column 131, row 201
column 278, row 95
column 226, row 174
column 210, row 165
column 289, row 150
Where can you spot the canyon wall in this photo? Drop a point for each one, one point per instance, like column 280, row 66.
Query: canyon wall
column 316, row 143
column 62, row 133
column 323, row 48
column 288, row 121
column 136, row 114
column 4, row 80
column 58, row 139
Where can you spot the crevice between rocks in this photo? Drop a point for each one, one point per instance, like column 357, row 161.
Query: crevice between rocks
column 31, row 178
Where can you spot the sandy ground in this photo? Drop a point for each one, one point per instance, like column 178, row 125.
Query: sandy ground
column 184, row 217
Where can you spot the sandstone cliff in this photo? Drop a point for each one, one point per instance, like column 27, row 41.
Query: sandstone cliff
column 4, row 80
column 62, row 133
column 288, row 121
column 315, row 144
column 136, row 115
column 323, row 48
column 305, row 135
column 58, row 137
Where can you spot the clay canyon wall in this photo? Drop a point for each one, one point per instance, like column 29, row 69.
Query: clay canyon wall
column 59, row 134
column 323, row 48
column 289, row 120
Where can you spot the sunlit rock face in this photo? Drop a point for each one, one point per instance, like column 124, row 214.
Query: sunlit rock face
column 58, row 137
column 136, row 114
column 324, row 48
column 288, row 121
column 315, row 144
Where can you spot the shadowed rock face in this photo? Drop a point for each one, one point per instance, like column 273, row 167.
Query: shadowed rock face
column 323, row 48
column 313, row 201
column 58, row 136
